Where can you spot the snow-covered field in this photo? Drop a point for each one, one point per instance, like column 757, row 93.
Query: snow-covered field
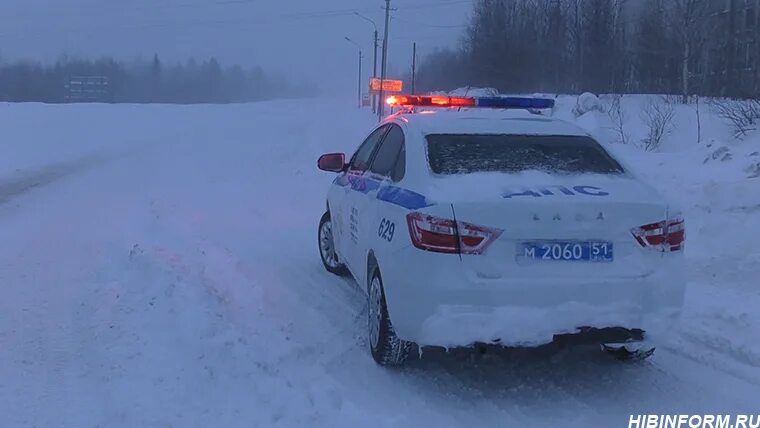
column 159, row 268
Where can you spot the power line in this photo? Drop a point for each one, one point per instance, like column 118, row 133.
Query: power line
column 423, row 24
column 438, row 4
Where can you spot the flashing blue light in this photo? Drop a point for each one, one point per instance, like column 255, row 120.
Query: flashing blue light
column 515, row 102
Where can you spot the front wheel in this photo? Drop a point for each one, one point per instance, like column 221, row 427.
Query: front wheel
column 327, row 247
column 387, row 349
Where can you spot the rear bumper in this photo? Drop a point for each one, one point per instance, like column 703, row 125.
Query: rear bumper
column 450, row 325
column 433, row 301
column 594, row 336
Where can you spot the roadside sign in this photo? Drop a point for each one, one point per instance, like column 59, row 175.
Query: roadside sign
column 388, row 85
column 87, row 89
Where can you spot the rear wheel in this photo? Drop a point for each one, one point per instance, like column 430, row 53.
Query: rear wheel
column 327, row 247
column 386, row 348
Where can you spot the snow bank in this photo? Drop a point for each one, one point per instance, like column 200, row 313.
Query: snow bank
column 587, row 102
column 473, row 92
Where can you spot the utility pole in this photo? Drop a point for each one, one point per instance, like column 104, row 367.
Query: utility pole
column 381, row 101
column 374, row 57
column 374, row 71
column 414, row 66
column 358, row 46
column 360, row 78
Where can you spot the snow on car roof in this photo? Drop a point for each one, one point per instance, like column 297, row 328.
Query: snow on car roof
column 473, row 121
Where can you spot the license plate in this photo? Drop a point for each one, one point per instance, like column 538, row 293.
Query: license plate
column 567, row 251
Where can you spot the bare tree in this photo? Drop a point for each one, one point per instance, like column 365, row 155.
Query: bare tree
column 617, row 116
column 743, row 115
column 575, row 15
column 699, row 119
column 689, row 24
column 658, row 116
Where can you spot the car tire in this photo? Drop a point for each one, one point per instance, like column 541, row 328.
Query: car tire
column 386, row 348
column 326, row 244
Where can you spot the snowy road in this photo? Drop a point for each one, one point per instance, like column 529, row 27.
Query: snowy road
column 175, row 281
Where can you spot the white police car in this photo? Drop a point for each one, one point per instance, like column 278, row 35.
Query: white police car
column 506, row 227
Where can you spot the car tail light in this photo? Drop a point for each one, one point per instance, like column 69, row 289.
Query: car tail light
column 433, row 233
column 666, row 235
column 448, row 236
column 476, row 239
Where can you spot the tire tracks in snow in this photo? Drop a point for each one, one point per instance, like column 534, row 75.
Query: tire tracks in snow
column 28, row 181
column 22, row 182
column 17, row 186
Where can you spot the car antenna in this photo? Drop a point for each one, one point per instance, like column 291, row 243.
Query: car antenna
column 466, row 91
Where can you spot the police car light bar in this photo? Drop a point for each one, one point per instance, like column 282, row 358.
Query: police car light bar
column 482, row 102
column 430, row 101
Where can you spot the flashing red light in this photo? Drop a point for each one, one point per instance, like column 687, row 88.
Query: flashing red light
column 393, row 100
column 430, row 101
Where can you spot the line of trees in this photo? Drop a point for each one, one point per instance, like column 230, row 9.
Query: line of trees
column 145, row 81
column 686, row 47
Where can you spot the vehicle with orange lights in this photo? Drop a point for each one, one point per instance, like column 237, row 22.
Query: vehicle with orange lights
column 482, row 221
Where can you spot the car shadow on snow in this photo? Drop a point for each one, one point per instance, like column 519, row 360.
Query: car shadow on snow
column 523, row 359
column 527, row 377
column 575, row 381
column 530, row 379
column 499, row 371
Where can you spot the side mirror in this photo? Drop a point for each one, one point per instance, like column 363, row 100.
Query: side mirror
column 332, row 162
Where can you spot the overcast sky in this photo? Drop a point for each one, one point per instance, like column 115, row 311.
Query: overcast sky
column 298, row 37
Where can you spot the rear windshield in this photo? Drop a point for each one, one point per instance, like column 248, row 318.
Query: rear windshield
column 463, row 154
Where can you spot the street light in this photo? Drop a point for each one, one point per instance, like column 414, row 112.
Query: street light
column 374, row 58
column 360, row 68
column 381, row 104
